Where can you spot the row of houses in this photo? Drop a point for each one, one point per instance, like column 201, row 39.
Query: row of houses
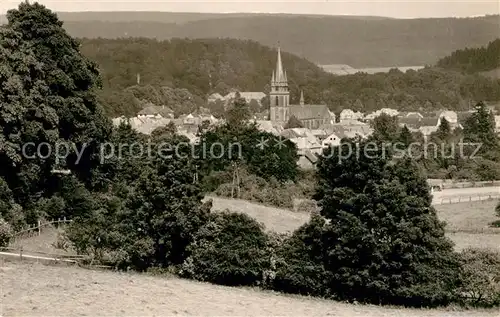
column 309, row 141
column 247, row 95
column 424, row 122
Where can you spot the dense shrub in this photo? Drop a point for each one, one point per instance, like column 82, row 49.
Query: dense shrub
column 6, row 233
column 231, row 249
column 480, row 277
column 299, row 261
column 270, row 192
column 306, row 205
column 497, row 211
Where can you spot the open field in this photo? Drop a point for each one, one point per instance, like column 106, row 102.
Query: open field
column 38, row 290
column 468, row 223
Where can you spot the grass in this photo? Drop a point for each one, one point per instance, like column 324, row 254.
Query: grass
column 467, row 223
column 32, row 289
column 42, row 244
column 37, row 290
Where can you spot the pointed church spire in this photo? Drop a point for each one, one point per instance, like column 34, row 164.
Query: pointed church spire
column 280, row 76
column 272, row 79
column 301, row 97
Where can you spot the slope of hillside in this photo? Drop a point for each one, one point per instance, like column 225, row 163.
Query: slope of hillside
column 38, row 290
column 485, row 59
column 181, row 17
column 359, row 42
column 193, row 69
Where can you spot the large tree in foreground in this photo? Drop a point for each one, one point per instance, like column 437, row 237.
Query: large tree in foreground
column 384, row 243
column 70, row 83
column 26, row 119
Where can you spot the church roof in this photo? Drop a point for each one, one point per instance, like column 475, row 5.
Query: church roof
column 305, row 112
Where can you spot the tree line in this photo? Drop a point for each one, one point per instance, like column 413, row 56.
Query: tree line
column 182, row 73
column 473, row 60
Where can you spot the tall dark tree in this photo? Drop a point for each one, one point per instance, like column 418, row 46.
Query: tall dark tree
column 385, row 128
column 26, row 119
column 405, row 136
column 480, row 128
column 238, row 112
column 444, row 132
column 384, row 243
column 72, row 81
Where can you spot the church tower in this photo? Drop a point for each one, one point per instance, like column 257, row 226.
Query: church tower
column 279, row 97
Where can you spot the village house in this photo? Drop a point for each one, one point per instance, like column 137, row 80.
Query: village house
column 214, row 97
column 387, row 111
column 143, row 124
column 331, row 140
column 156, row 111
column 429, row 123
column 311, row 116
column 349, row 115
column 351, row 129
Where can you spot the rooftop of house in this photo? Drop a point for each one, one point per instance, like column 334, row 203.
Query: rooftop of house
column 152, row 110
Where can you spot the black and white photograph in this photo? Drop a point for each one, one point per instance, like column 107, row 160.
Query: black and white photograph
column 250, row 158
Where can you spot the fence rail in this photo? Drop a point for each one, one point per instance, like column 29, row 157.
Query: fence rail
column 32, row 230
column 464, row 199
column 446, row 184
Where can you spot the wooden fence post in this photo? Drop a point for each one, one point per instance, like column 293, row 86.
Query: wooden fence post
column 39, row 227
column 21, row 253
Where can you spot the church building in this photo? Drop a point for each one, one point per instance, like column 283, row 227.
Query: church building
column 311, row 116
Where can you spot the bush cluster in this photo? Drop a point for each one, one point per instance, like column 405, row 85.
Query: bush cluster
column 230, row 249
column 270, row 192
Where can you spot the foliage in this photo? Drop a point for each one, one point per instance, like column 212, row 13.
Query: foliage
column 299, row 261
column 480, row 128
column 70, row 83
column 9, row 210
column 230, row 249
column 244, row 145
column 385, row 128
column 406, row 137
column 481, row 277
column 257, row 189
column 238, row 112
column 293, row 122
column 146, row 222
column 6, row 233
column 25, row 118
column 473, row 59
column 310, row 36
column 191, row 69
column 387, row 244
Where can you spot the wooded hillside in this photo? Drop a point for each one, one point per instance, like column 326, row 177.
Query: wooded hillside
column 356, row 41
column 474, row 60
column 193, row 69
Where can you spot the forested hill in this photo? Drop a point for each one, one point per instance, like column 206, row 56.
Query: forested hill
column 181, row 73
column 355, row 41
column 199, row 66
column 473, row 60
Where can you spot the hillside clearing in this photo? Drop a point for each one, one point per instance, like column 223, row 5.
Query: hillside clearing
column 38, row 290
column 467, row 223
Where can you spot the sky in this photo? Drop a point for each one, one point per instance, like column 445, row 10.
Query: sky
column 387, row 8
